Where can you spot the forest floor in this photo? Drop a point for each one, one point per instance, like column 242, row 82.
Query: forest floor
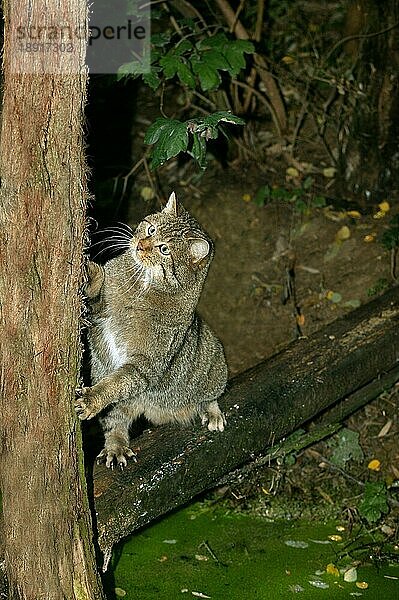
column 334, row 258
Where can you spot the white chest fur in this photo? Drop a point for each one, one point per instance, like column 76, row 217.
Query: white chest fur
column 116, row 353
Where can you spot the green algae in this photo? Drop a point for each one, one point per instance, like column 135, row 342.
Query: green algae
column 199, row 553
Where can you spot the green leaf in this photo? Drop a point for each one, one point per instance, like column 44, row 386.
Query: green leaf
column 198, row 151
column 347, row 448
column 151, row 79
column 280, row 194
column 215, row 59
column 301, row 206
column 262, row 195
column 307, row 184
column 185, row 75
column 155, row 55
column 208, row 76
column 169, row 136
column 170, row 65
column 160, row 39
column 216, row 41
column 319, row 201
column 131, row 69
column 222, row 115
column 234, row 53
column 188, row 23
column 181, row 48
column 155, row 129
column 374, row 503
column 390, row 238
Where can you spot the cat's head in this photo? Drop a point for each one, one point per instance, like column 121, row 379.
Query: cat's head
column 171, row 249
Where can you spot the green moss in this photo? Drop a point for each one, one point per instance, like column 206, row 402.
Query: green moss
column 222, row 556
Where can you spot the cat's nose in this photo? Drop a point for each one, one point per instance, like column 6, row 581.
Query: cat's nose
column 144, row 245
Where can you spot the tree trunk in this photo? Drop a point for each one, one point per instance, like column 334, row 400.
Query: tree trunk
column 368, row 165
column 262, row 405
column 47, row 533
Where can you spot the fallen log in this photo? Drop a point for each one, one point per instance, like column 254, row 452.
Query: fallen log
column 262, row 405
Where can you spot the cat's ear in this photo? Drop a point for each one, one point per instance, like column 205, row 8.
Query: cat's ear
column 199, row 249
column 172, row 206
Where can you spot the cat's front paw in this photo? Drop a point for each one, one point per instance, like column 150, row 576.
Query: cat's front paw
column 116, row 456
column 87, row 406
column 95, row 280
column 213, row 417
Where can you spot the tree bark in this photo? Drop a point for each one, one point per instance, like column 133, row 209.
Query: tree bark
column 262, row 405
column 47, row 533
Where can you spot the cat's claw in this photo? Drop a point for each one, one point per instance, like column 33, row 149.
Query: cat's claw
column 83, row 411
column 116, row 457
column 84, row 406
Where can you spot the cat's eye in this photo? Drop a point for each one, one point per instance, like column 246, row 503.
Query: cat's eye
column 151, row 229
column 164, row 249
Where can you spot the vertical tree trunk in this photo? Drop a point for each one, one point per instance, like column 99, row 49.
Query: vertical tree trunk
column 47, row 527
column 369, row 158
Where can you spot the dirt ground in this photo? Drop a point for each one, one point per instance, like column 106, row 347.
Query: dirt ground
column 255, row 245
column 339, row 263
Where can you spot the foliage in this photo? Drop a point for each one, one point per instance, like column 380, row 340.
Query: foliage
column 390, row 238
column 197, row 62
column 193, row 65
column 300, row 197
column 374, row 503
column 381, row 285
column 170, row 137
column 347, row 448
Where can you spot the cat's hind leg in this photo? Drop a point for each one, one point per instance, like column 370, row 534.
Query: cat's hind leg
column 116, row 449
column 213, row 416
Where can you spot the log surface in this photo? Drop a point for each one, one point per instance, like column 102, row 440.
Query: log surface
column 262, row 405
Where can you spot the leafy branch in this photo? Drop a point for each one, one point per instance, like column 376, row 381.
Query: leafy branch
column 170, row 137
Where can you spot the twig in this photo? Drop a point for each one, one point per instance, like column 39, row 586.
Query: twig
column 172, row 19
column 150, row 178
column 259, row 20
column 126, row 178
column 236, row 15
column 269, row 82
column 205, row 544
column 334, row 467
column 188, row 10
column 301, row 117
column 204, row 99
column 257, row 35
column 360, row 36
column 394, row 254
column 261, row 97
column 293, row 443
column 161, row 101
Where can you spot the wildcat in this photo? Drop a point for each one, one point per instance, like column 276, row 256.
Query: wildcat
column 151, row 353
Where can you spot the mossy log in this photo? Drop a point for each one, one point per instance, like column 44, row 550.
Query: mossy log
column 262, row 405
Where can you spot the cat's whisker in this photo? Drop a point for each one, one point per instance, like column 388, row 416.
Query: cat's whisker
column 144, row 278
column 125, row 225
column 133, row 279
column 129, row 284
column 111, row 239
column 113, row 248
column 117, row 230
